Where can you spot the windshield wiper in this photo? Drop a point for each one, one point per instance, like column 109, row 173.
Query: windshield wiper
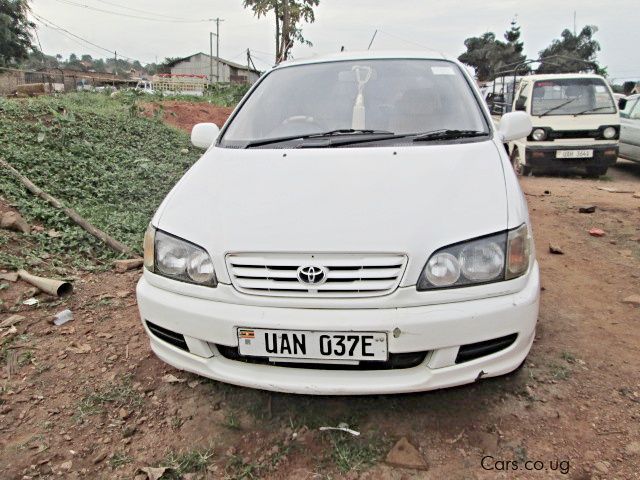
column 341, row 132
column 590, row 110
column 349, row 131
column 557, row 107
column 447, row 134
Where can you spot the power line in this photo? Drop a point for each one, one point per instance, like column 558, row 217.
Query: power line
column 171, row 17
column 50, row 24
column 139, row 17
column 83, row 45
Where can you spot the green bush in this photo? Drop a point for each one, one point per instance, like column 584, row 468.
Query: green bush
column 97, row 155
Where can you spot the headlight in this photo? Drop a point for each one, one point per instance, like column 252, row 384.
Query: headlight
column 148, row 245
column 539, row 134
column 175, row 258
column 609, row 132
column 442, row 269
column 518, row 252
column 502, row 256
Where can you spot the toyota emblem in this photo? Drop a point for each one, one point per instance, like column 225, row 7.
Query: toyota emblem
column 312, row 274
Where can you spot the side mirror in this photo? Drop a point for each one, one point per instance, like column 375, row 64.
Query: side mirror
column 622, row 103
column 514, row 125
column 521, row 105
column 204, row 134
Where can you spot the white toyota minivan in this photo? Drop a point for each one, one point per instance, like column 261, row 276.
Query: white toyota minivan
column 354, row 228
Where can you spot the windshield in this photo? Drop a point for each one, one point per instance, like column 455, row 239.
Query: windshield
column 396, row 96
column 571, row 96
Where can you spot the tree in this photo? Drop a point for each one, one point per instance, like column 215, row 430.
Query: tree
column 572, row 53
column 15, row 31
column 288, row 14
column 99, row 66
column 489, row 56
column 37, row 60
column 627, row 87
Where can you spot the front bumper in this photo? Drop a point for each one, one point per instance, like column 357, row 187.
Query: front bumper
column 544, row 157
column 438, row 329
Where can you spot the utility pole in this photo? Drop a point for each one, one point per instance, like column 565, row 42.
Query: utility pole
column 217, row 35
column 115, row 63
column 372, row 39
column 217, row 50
column 210, row 57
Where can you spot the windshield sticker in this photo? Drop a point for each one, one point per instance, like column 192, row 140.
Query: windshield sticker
column 442, row 71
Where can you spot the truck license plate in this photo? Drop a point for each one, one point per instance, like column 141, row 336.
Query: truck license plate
column 312, row 345
column 574, row 154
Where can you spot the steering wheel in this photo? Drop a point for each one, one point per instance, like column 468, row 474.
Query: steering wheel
column 297, row 119
column 297, row 124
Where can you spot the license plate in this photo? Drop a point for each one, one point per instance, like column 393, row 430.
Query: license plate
column 312, row 345
column 574, row 154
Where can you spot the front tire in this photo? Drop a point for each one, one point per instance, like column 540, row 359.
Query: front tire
column 595, row 172
column 518, row 166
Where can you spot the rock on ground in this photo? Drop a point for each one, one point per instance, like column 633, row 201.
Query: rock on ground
column 13, row 221
column 405, row 455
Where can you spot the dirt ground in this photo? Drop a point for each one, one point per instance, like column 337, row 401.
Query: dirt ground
column 89, row 400
column 186, row 114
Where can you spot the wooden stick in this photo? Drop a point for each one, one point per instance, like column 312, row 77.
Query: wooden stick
column 73, row 215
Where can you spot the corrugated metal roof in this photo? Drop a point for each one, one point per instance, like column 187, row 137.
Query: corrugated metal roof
column 221, row 60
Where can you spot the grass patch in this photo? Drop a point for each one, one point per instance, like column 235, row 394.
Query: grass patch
column 350, row 453
column 231, row 421
column 181, row 463
column 114, row 395
column 560, row 372
column 237, row 469
column 119, row 459
column 98, row 156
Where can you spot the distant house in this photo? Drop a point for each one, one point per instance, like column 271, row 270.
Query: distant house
column 203, row 64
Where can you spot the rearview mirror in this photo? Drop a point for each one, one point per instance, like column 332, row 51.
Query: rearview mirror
column 622, row 103
column 514, row 125
column 204, row 134
column 521, row 104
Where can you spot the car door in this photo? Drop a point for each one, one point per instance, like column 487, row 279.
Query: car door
column 630, row 130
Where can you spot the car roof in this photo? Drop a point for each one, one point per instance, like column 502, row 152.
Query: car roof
column 555, row 76
column 368, row 55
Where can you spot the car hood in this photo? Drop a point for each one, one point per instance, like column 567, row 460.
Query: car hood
column 412, row 200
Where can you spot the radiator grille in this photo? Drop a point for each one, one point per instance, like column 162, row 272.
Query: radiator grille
column 343, row 275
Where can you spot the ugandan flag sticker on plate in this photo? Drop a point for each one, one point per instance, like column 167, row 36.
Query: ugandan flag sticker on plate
column 246, row 335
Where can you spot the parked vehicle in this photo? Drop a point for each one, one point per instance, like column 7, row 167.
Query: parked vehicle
column 498, row 94
column 170, row 85
column 630, row 129
column 575, row 124
column 84, row 85
column 356, row 228
column 145, row 87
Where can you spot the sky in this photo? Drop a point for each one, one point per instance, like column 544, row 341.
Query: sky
column 150, row 30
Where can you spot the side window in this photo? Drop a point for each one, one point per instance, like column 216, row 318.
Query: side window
column 628, row 108
column 635, row 111
column 521, row 99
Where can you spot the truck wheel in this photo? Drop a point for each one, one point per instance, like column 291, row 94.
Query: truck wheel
column 595, row 172
column 518, row 166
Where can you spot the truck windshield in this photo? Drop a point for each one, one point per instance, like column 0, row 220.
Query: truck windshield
column 397, row 96
column 571, row 96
